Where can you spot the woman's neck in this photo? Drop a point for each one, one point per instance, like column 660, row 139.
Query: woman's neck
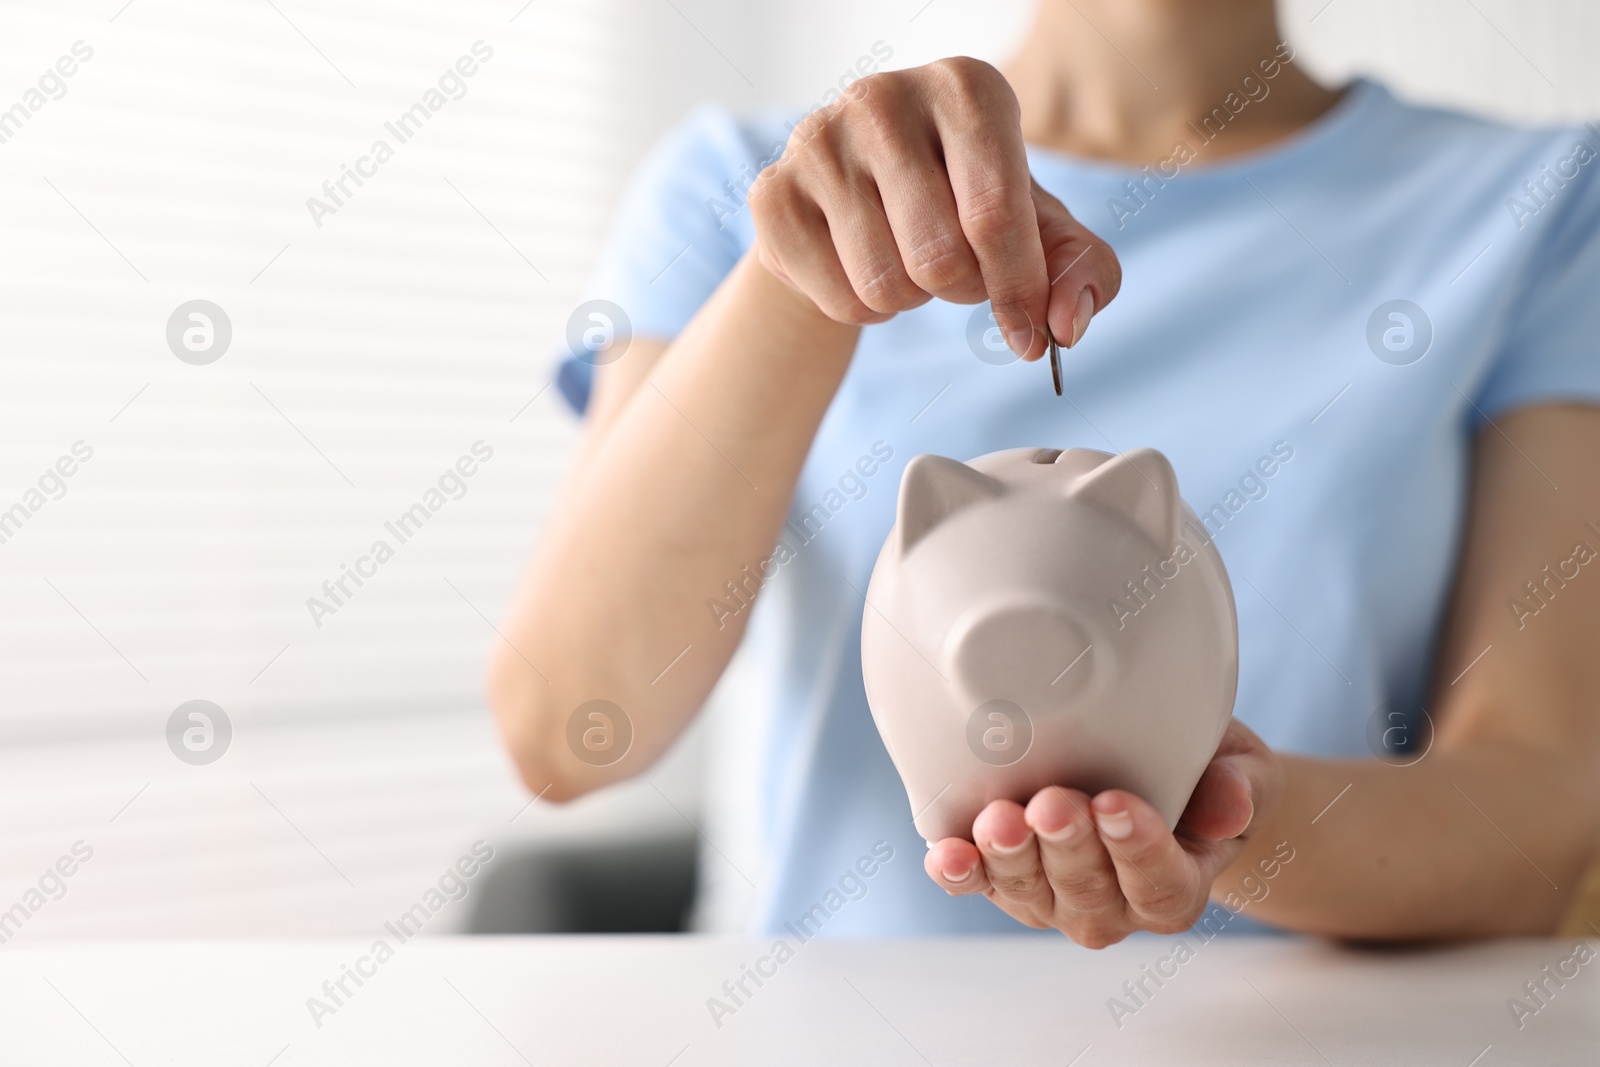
column 1127, row 80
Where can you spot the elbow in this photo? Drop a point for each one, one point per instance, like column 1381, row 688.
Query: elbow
column 524, row 707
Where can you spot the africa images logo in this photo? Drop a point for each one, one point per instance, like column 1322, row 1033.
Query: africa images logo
column 451, row 85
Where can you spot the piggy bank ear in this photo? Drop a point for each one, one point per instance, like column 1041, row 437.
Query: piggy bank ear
column 934, row 488
column 1140, row 485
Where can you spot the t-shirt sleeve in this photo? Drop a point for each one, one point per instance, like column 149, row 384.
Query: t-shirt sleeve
column 1552, row 347
column 675, row 236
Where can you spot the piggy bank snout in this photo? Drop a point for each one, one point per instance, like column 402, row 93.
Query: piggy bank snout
column 1034, row 654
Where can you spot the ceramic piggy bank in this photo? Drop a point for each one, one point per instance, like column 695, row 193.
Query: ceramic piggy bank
column 1040, row 618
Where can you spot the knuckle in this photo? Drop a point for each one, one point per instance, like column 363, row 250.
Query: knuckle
column 883, row 286
column 1096, row 935
column 814, row 143
column 862, row 89
column 853, row 313
column 1009, row 311
column 1096, row 248
column 775, row 202
column 1086, row 892
column 808, row 129
column 1089, row 257
column 874, row 102
column 1169, row 926
column 1170, row 904
column 967, row 76
column 1113, row 277
column 884, row 85
column 994, row 212
column 1016, row 885
column 973, row 90
column 1022, row 913
column 1074, row 248
column 940, row 264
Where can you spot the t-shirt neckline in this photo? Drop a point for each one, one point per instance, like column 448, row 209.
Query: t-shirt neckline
column 1357, row 98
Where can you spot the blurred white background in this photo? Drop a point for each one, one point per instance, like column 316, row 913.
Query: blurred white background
column 367, row 355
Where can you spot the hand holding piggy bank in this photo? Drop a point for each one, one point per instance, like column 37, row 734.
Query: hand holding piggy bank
column 1042, row 618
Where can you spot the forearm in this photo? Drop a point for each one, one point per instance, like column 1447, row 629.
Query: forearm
column 686, row 488
column 1481, row 839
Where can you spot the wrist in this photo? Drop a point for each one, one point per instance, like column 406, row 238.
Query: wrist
column 797, row 345
column 785, row 303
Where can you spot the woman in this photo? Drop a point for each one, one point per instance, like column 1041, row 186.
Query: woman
column 1391, row 305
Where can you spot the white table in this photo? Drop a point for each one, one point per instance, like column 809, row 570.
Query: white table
column 643, row 1002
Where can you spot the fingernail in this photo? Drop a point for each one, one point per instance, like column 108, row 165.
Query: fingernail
column 1114, row 824
column 1081, row 317
column 1019, row 341
column 1006, row 850
column 1066, row 833
column 957, row 879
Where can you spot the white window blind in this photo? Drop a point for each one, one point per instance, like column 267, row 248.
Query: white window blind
column 381, row 345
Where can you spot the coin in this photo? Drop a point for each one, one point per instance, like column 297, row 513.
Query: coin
column 1055, row 360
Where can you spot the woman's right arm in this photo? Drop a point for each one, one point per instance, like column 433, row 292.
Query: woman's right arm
column 913, row 186
column 684, row 478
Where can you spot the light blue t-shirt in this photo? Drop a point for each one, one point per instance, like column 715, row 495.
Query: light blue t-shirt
column 1257, row 330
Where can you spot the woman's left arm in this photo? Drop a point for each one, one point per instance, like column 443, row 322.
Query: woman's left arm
column 1488, row 833
column 1491, row 831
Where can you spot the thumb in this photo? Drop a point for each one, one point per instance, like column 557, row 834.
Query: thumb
column 1240, row 786
column 1085, row 274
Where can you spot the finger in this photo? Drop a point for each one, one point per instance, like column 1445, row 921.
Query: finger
column 1162, row 883
column 927, row 228
column 1011, row 856
column 1085, row 274
column 957, row 866
column 796, row 246
column 868, row 249
column 1221, row 807
column 1076, row 862
column 1238, row 781
column 980, row 130
column 910, row 187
